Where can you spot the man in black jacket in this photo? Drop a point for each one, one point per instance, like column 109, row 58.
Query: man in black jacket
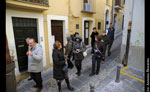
column 94, row 33
column 105, row 41
column 110, row 35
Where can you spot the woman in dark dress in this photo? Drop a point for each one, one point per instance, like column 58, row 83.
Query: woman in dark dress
column 59, row 62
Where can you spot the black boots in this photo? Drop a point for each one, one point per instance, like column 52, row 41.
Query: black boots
column 68, row 85
column 78, row 73
column 92, row 74
column 59, row 86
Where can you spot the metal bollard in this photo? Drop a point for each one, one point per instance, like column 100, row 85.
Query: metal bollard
column 118, row 74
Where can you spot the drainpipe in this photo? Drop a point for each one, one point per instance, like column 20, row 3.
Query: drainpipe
column 125, row 58
column 125, row 61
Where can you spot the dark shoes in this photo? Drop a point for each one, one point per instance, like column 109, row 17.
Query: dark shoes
column 78, row 73
column 109, row 53
column 92, row 74
column 35, row 86
column 71, row 88
column 97, row 73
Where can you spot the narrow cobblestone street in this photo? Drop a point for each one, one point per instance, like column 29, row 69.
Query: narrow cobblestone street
column 104, row 82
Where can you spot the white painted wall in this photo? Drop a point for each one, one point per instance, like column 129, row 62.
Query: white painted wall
column 10, row 33
column 65, row 31
column 138, row 22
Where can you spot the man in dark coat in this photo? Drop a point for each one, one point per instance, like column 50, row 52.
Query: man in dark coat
column 94, row 33
column 110, row 35
column 105, row 41
column 78, row 49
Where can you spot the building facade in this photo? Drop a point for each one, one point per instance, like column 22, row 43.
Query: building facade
column 50, row 20
column 134, row 12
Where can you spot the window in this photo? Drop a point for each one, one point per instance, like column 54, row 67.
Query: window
column 77, row 26
column 107, row 1
column 99, row 25
column 85, row 1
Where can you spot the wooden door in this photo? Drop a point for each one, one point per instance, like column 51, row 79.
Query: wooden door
column 57, row 30
column 23, row 28
column 86, row 32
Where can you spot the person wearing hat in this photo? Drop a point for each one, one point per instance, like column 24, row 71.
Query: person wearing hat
column 78, row 49
column 105, row 41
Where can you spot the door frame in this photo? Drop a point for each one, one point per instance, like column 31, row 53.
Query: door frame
column 10, row 33
column 85, row 30
column 91, row 25
column 65, row 31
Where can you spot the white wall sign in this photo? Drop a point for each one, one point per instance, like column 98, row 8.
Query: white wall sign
column 87, row 33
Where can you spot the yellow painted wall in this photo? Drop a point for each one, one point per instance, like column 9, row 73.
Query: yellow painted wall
column 61, row 8
column 75, row 11
column 58, row 7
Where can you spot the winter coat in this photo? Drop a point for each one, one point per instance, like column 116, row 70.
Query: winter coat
column 95, row 52
column 35, row 63
column 93, row 37
column 110, row 33
column 81, row 46
column 58, row 64
column 69, row 46
column 105, row 39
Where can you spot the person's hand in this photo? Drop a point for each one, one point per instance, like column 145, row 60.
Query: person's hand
column 27, row 53
column 92, row 54
column 30, row 53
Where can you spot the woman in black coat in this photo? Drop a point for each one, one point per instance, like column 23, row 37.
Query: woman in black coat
column 97, row 55
column 59, row 62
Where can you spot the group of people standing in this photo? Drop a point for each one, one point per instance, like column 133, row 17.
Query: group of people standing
column 62, row 61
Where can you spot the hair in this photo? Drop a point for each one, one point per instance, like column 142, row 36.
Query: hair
column 99, row 40
column 76, row 33
column 32, row 39
column 110, row 23
column 56, row 44
column 28, row 38
column 94, row 28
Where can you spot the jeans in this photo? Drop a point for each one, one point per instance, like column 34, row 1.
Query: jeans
column 95, row 59
column 78, row 64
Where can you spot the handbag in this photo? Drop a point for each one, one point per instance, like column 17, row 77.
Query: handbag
column 102, row 57
column 85, row 52
column 65, row 69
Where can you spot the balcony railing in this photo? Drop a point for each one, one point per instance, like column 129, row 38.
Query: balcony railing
column 88, row 6
column 37, row 2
